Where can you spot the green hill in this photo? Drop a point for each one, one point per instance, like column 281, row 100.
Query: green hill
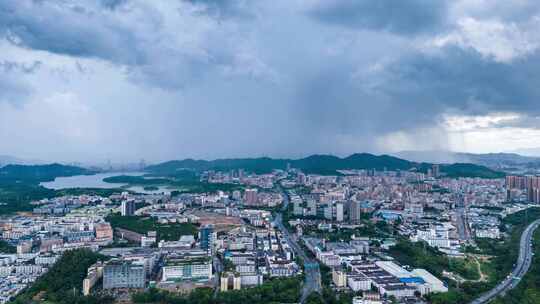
column 321, row 164
column 470, row 170
column 39, row 173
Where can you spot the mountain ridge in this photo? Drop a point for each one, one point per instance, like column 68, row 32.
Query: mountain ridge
column 322, row 163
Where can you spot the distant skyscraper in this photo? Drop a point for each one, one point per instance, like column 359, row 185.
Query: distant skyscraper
column 436, row 171
column 529, row 183
column 206, row 237
column 128, row 208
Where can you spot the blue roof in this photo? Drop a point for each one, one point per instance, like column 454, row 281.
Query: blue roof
column 412, row 280
column 390, row 215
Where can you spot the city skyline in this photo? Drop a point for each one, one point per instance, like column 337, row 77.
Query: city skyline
column 126, row 79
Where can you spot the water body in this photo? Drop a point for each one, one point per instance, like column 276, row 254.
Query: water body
column 86, row 181
column 96, row 181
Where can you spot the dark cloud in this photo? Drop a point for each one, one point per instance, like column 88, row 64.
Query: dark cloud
column 67, row 30
column 464, row 80
column 278, row 83
column 226, row 9
column 113, row 4
column 401, row 17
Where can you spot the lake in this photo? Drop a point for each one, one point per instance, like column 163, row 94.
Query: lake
column 96, row 181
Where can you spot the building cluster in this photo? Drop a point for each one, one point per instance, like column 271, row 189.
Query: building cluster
column 239, row 258
column 65, row 204
column 41, row 238
column 523, row 188
column 443, row 212
column 251, row 254
column 265, row 181
column 239, row 242
column 355, row 268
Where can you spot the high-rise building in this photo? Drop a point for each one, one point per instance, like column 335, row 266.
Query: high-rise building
column 123, row 274
column 339, row 212
column 128, row 208
column 530, row 184
column 354, row 211
column 436, row 169
column 206, row 237
column 251, row 197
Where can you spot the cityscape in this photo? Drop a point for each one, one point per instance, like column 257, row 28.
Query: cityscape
column 269, row 152
column 358, row 235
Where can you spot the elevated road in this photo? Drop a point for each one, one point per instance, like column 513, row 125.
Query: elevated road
column 520, row 269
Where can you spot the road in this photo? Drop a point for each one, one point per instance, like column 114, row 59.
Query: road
column 311, row 266
column 463, row 227
column 521, row 267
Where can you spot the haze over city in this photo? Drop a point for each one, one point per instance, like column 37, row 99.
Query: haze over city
column 127, row 79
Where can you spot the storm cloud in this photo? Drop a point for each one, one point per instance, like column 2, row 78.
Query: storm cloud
column 137, row 79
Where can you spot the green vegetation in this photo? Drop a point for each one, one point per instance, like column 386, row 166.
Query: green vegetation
column 136, row 180
column 466, row 268
column 528, row 290
column 505, row 255
column 182, row 185
column 420, row 255
column 19, row 185
column 16, row 196
column 5, row 247
column 470, row 170
column 368, row 229
column 178, row 175
column 39, row 173
column 62, row 284
column 330, row 297
column 139, row 224
column 202, row 187
column 274, row 291
column 89, row 191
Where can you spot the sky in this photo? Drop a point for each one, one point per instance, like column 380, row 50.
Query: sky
column 92, row 80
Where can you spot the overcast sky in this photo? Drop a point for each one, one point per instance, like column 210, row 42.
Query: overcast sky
column 129, row 79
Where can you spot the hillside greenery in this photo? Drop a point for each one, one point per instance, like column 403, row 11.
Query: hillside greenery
column 20, row 185
column 286, row 290
column 528, row 290
column 470, row 170
column 504, row 254
column 320, row 164
column 62, row 284
column 39, row 173
column 181, row 185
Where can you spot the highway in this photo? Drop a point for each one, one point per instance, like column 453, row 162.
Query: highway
column 311, row 266
column 521, row 267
